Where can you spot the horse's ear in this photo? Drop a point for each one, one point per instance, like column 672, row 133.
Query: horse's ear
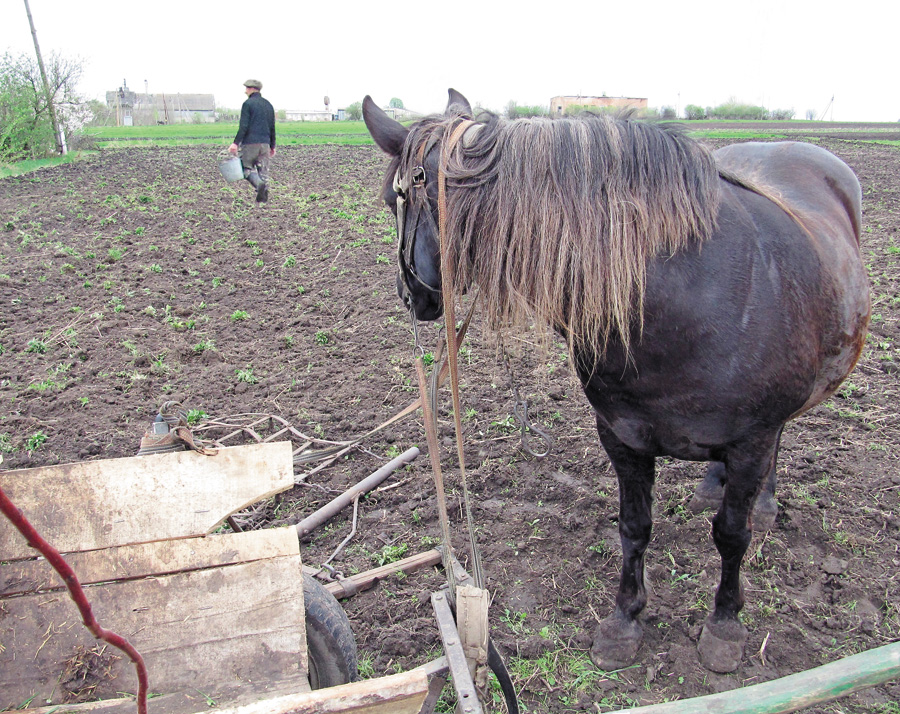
column 460, row 101
column 389, row 134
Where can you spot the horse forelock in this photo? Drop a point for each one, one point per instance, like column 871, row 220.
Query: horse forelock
column 555, row 220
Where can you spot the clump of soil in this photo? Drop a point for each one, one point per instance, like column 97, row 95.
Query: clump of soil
column 85, row 672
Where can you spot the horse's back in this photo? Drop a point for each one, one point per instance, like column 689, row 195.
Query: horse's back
column 822, row 196
column 815, row 185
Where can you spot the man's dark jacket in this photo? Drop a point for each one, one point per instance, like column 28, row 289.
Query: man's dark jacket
column 257, row 122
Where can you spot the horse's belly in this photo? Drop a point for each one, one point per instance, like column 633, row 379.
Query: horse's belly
column 690, row 439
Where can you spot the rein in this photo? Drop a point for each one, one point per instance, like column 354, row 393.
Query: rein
column 402, row 185
column 452, row 343
column 484, row 653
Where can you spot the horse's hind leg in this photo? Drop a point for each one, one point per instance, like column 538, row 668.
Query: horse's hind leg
column 722, row 640
column 617, row 639
column 710, row 491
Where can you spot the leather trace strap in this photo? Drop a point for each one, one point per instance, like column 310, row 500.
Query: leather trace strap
column 428, row 403
column 447, row 280
column 453, row 339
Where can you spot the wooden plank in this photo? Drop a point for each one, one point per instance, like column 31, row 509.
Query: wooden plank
column 128, row 562
column 197, row 630
column 396, row 694
column 100, row 504
column 191, row 701
column 472, row 624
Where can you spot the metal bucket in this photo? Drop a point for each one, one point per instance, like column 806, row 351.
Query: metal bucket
column 231, row 168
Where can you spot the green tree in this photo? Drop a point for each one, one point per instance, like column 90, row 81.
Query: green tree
column 693, row 112
column 396, row 103
column 354, row 111
column 25, row 126
column 733, row 109
column 516, row 111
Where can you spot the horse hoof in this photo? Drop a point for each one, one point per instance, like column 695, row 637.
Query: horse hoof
column 706, row 498
column 721, row 645
column 616, row 642
column 764, row 513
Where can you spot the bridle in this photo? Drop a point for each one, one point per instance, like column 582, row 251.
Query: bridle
column 411, row 189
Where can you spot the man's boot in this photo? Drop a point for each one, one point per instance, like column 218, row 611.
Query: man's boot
column 262, row 191
column 261, row 186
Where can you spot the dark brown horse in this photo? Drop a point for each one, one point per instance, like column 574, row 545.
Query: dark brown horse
column 706, row 298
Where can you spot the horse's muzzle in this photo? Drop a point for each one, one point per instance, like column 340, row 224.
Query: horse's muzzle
column 425, row 306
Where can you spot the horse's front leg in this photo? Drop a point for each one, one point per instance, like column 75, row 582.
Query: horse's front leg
column 721, row 645
column 618, row 637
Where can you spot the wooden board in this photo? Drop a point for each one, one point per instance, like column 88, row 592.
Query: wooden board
column 129, row 562
column 401, row 693
column 198, row 630
column 99, row 504
column 191, row 701
column 397, row 694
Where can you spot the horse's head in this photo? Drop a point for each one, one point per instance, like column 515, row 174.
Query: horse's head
column 411, row 192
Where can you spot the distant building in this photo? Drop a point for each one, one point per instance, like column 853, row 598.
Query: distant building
column 401, row 114
column 559, row 105
column 308, row 115
column 134, row 109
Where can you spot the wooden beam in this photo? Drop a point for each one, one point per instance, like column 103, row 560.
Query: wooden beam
column 472, row 623
column 395, row 694
column 370, row 578
column 401, row 693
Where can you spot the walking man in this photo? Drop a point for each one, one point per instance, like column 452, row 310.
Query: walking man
column 255, row 139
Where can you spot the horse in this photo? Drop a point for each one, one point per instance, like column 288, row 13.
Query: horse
column 706, row 298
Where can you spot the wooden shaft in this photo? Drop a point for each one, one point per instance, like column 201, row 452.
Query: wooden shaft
column 797, row 691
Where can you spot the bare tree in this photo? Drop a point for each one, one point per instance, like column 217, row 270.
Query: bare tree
column 26, row 122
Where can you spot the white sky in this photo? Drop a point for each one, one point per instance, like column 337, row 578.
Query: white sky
column 783, row 54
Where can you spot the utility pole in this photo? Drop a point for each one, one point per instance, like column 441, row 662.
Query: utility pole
column 60, row 147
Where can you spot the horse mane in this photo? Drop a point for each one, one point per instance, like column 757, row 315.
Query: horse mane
column 555, row 220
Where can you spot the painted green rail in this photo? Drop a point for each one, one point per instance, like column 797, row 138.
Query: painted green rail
column 797, row 691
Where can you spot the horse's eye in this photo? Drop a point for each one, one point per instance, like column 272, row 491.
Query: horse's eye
column 418, row 176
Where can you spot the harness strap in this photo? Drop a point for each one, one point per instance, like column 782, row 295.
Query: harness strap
column 453, row 339
column 452, row 345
